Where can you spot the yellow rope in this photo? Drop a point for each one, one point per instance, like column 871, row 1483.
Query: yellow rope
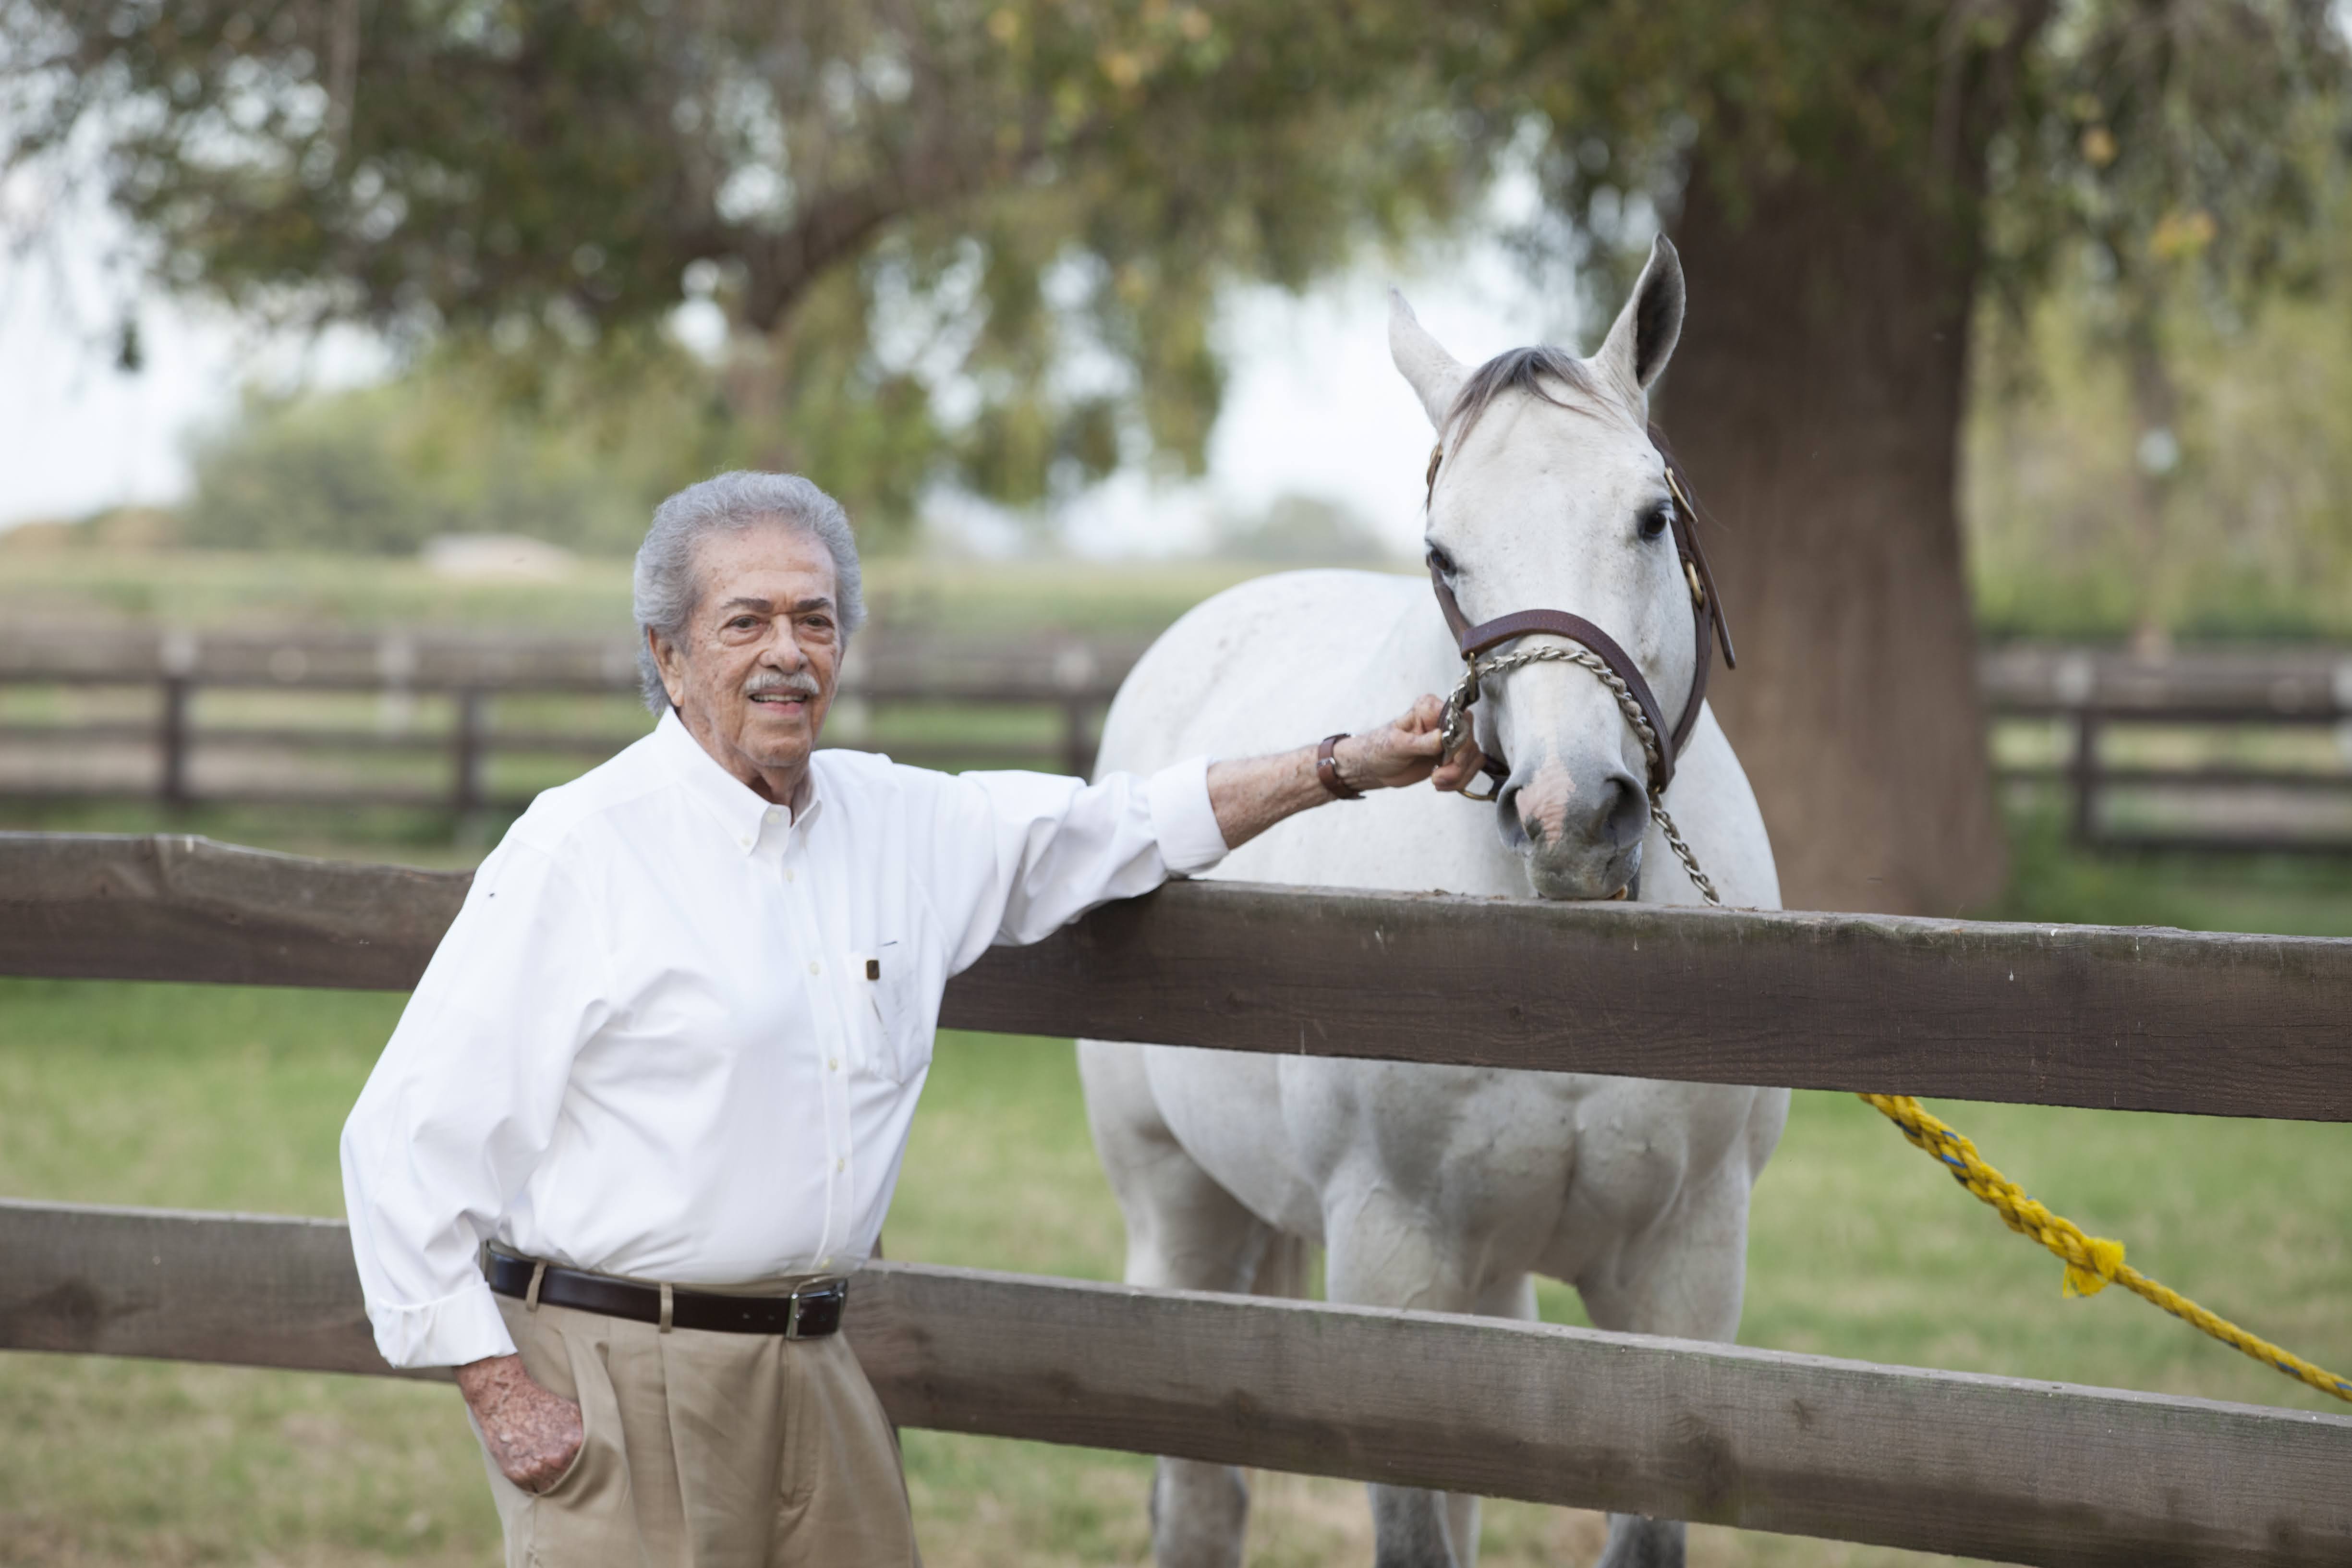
column 2091, row 1261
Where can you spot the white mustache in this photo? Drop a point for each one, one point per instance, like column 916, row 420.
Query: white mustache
column 799, row 685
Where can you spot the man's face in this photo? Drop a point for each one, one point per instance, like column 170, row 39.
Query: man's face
column 753, row 672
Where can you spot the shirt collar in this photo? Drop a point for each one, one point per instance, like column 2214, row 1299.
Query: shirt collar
column 738, row 808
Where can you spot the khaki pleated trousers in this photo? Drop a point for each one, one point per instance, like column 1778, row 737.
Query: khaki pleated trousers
column 707, row 1450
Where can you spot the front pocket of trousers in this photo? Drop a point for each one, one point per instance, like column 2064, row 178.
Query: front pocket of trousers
column 600, row 1420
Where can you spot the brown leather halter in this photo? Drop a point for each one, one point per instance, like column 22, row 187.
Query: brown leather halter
column 1707, row 617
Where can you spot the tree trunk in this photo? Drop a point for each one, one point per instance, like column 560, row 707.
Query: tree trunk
column 1816, row 398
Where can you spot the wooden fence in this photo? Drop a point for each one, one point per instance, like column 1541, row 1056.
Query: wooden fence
column 2005, row 1468
column 2102, row 693
column 160, row 749
column 463, row 679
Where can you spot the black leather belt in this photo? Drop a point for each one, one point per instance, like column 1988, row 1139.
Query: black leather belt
column 808, row 1313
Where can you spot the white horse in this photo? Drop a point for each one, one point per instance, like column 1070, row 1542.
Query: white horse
column 1445, row 1188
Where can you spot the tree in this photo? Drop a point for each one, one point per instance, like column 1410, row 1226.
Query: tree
column 981, row 238
column 1844, row 182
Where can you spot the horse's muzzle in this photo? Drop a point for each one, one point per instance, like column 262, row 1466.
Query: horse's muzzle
column 1581, row 840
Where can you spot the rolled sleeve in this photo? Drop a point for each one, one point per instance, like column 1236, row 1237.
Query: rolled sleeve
column 451, row 1332
column 1182, row 820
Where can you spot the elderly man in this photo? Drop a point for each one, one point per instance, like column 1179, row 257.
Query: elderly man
column 643, row 1116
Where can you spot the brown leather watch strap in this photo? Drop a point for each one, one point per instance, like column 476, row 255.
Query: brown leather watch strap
column 1326, row 768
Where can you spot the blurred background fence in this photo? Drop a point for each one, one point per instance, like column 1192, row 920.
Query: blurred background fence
column 473, row 724
column 2215, row 748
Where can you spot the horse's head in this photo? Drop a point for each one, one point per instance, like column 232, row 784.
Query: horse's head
column 1551, row 496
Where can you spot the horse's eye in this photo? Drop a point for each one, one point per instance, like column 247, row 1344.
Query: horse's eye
column 1655, row 521
column 1442, row 561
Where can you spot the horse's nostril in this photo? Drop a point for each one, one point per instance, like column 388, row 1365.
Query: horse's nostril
column 1628, row 816
column 1518, row 831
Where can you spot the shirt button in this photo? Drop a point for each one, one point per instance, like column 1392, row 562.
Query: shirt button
column 833, row 1064
column 815, row 968
column 787, row 873
column 840, row 1165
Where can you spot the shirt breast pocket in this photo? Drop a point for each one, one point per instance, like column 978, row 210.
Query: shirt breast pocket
column 898, row 1004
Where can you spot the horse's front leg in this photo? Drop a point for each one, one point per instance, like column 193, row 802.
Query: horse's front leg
column 1385, row 1255
column 1184, row 1232
column 1681, row 1279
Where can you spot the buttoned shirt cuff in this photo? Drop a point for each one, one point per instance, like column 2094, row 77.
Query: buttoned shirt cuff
column 455, row 1330
column 1182, row 820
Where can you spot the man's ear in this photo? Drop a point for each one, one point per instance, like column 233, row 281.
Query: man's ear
column 1643, row 338
column 670, row 662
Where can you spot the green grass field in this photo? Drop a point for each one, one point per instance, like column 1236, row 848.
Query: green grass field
column 230, row 1098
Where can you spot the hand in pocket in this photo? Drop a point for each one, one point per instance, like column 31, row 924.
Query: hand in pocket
column 534, row 1435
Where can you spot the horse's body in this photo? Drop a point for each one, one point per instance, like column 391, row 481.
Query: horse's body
column 1434, row 1188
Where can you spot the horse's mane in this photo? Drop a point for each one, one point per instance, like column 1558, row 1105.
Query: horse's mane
column 1521, row 369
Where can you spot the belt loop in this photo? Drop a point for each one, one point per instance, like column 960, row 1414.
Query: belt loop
column 531, row 1296
column 665, row 1306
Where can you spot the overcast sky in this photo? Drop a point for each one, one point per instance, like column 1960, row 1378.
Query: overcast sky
column 1312, row 405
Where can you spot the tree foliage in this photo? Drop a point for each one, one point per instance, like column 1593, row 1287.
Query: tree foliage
column 983, row 240
column 580, row 459
column 982, row 234
column 2252, row 536
column 2153, row 130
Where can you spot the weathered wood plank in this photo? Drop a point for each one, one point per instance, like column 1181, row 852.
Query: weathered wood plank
column 171, row 907
column 1984, row 1467
column 247, row 1290
column 2026, row 1472
column 2111, row 1017
column 2129, row 1018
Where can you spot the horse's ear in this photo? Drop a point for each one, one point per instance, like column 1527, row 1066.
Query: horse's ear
column 1435, row 375
column 1644, row 336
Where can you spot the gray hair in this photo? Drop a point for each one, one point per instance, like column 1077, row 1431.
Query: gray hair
column 665, row 588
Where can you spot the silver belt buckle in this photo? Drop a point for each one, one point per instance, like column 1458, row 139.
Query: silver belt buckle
column 793, row 1318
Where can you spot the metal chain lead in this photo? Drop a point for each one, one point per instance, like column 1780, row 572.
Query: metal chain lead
column 1457, row 713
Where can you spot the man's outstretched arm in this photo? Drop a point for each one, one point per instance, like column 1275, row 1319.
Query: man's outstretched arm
column 1252, row 796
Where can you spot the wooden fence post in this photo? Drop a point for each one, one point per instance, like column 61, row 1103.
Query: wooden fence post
column 2084, row 772
column 173, row 739
column 469, row 740
column 1075, row 673
column 176, row 653
column 1078, row 741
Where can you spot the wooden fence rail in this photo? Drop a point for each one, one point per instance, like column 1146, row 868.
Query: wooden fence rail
column 1073, row 679
column 2000, row 1468
column 2124, row 1018
column 2096, row 693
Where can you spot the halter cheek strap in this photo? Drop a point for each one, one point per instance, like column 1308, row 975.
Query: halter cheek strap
column 1707, row 617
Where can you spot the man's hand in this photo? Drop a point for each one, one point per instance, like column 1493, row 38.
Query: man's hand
column 533, row 1434
column 1251, row 797
column 1404, row 752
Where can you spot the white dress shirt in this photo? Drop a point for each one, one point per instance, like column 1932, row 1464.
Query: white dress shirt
column 678, row 1033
